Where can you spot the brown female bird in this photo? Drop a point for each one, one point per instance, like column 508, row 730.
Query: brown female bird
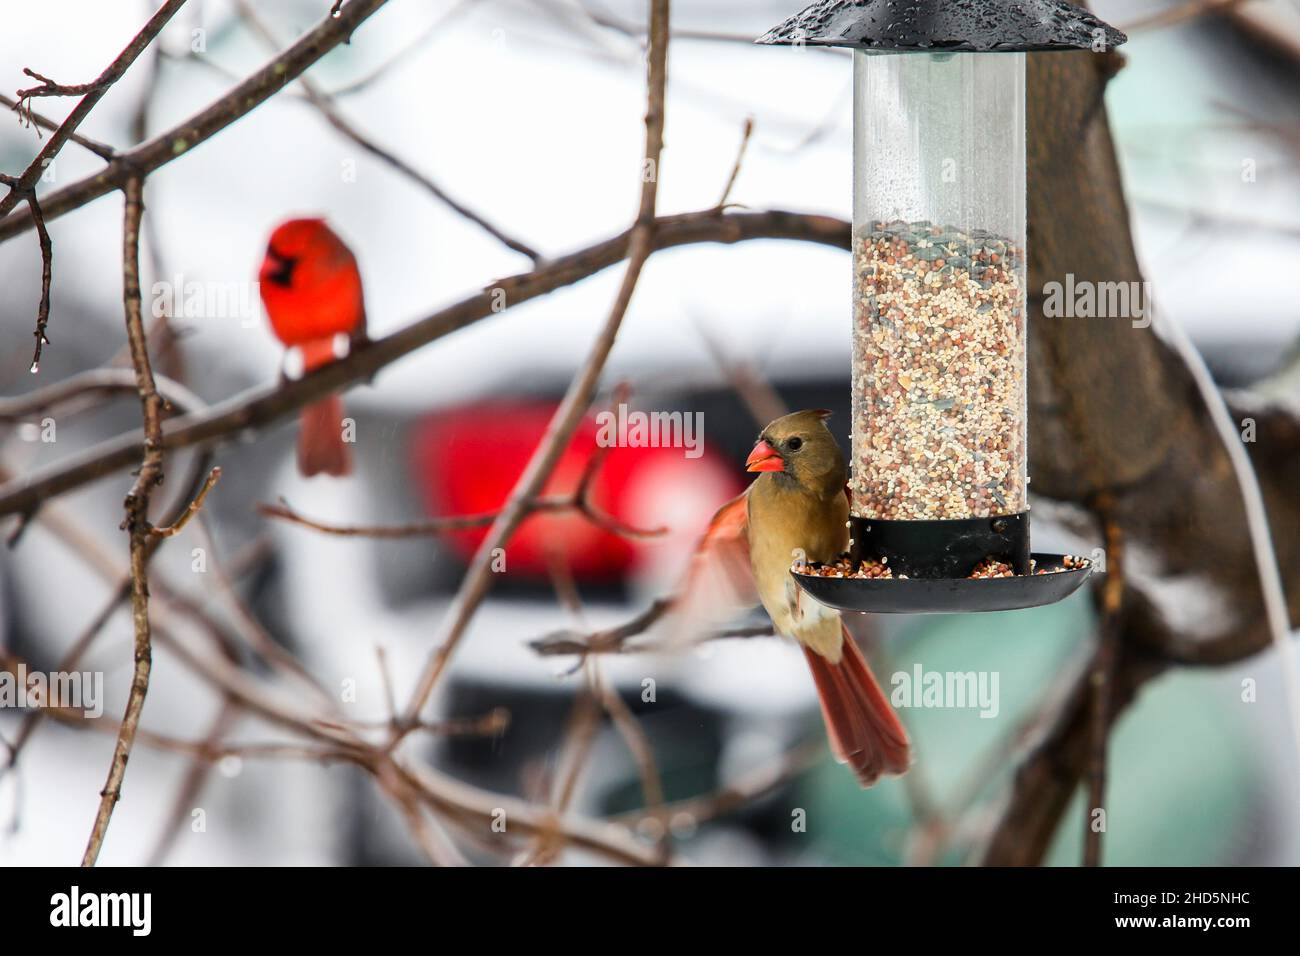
column 798, row 508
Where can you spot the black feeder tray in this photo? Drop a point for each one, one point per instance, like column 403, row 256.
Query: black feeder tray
column 931, row 560
column 949, row 595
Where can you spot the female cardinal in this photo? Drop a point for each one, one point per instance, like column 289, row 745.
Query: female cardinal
column 311, row 288
column 799, row 505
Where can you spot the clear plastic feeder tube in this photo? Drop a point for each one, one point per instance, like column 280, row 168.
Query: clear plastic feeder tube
column 939, row 412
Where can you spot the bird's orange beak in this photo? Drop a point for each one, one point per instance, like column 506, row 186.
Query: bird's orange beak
column 764, row 458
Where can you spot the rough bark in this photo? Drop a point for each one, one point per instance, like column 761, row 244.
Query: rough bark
column 1115, row 414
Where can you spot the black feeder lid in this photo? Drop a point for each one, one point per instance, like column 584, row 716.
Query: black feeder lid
column 944, row 26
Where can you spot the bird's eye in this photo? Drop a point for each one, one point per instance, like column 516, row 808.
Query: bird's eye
column 794, row 444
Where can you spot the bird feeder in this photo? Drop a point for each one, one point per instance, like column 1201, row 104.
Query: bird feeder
column 939, row 464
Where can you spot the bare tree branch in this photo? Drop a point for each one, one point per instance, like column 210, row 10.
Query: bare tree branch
column 180, row 139
column 137, row 514
column 192, row 784
column 638, row 744
column 579, row 500
column 87, row 387
column 262, row 407
column 326, row 106
column 93, row 91
column 560, row 430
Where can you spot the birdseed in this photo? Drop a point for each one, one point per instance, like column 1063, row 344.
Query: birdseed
column 845, row 567
column 939, row 415
column 993, row 568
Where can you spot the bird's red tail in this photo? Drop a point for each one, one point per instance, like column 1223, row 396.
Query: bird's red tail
column 864, row 731
column 321, row 449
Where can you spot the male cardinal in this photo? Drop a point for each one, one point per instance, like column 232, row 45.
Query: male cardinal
column 311, row 288
column 799, row 505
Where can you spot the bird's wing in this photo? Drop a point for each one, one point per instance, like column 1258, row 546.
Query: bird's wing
column 719, row 582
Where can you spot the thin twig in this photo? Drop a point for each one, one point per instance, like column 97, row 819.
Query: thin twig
column 102, row 150
column 86, row 387
column 760, row 397
column 464, row 803
column 745, row 134
column 49, row 87
column 47, row 278
column 94, row 91
column 386, row 681
column 192, row 783
column 453, row 523
column 629, row 728
column 959, row 817
column 415, row 529
column 330, row 111
column 491, row 724
column 383, row 69
column 606, row 641
column 580, row 500
column 250, row 630
column 354, row 86
column 191, row 510
column 208, row 750
column 137, row 514
column 638, row 744
column 616, row 640
column 47, row 266
column 742, row 791
column 584, row 721
column 578, row 397
column 432, row 840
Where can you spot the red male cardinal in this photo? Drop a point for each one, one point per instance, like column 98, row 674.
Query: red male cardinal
column 311, row 288
column 799, row 503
